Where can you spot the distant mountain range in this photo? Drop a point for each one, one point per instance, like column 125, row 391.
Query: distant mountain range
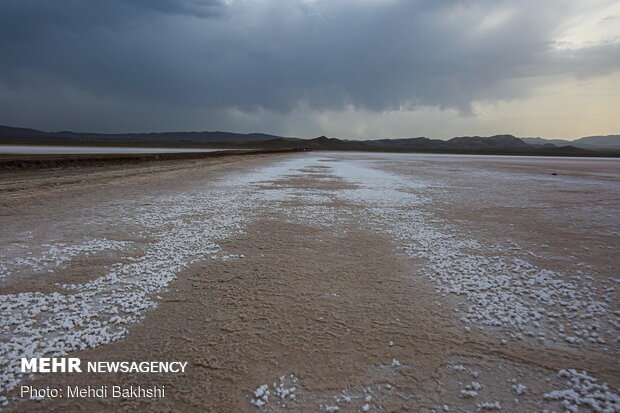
column 8, row 133
column 589, row 142
column 498, row 144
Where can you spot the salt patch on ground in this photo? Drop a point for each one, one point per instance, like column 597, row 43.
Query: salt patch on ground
column 282, row 393
column 534, row 303
column 502, row 290
column 55, row 256
column 499, row 287
column 97, row 312
column 287, row 392
column 584, row 392
column 185, row 226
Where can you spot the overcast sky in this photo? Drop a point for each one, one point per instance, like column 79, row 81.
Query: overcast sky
column 344, row 68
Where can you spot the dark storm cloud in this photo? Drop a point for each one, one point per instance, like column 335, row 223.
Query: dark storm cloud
column 277, row 55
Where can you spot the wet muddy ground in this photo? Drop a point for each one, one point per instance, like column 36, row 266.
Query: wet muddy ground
column 319, row 282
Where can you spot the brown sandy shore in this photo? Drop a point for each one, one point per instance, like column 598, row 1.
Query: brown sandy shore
column 340, row 307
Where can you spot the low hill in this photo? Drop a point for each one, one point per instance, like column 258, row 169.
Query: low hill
column 10, row 135
column 493, row 142
column 609, row 142
column 498, row 144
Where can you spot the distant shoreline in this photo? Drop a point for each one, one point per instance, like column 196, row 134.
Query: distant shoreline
column 247, row 148
column 21, row 162
column 22, row 149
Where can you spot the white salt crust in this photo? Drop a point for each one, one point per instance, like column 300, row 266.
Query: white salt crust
column 185, row 226
column 498, row 287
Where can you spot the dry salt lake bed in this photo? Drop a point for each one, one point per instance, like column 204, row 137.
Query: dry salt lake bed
column 319, row 282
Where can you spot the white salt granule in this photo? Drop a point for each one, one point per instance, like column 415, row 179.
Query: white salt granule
column 489, row 406
column 584, row 391
column 519, row 389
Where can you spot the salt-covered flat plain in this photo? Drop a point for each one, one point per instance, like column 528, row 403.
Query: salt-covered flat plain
column 323, row 282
